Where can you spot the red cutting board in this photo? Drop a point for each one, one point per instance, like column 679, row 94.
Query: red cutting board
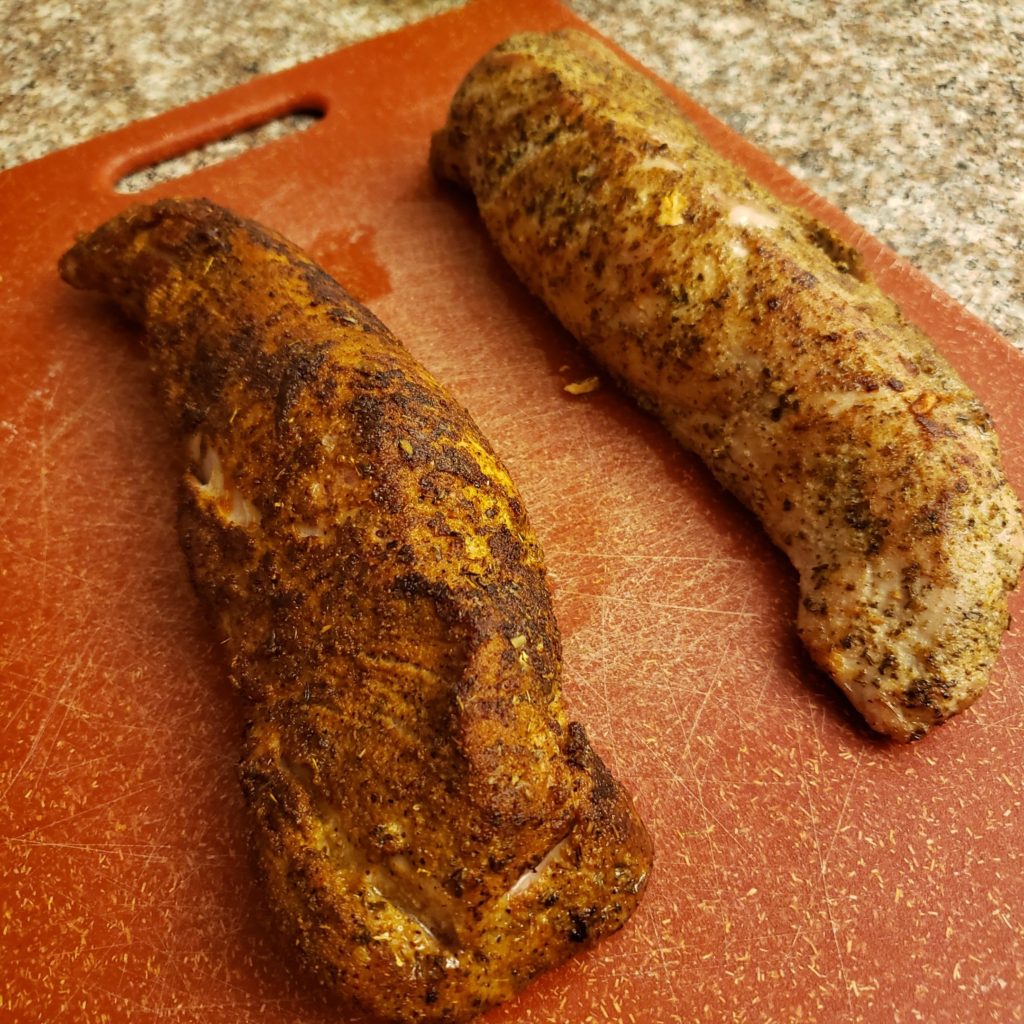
column 806, row 871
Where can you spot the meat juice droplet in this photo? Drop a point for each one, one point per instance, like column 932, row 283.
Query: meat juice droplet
column 350, row 258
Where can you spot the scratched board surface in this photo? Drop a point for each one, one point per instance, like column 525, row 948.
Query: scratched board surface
column 806, row 870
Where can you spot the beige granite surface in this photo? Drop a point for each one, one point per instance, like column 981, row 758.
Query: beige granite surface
column 906, row 113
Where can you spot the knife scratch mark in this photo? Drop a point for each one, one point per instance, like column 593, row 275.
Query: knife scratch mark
column 823, row 878
column 158, row 843
column 72, row 674
column 668, row 605
column 712, row 823
column 705, row 811
column 79, row 669
column 854, row 772
column 89, row 809
column 126, row 849
column 711, row 561
column 65, row 572
column 77, row 766
column 38, row 737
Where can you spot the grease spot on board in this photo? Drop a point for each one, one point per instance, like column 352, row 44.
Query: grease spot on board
column 351, row 259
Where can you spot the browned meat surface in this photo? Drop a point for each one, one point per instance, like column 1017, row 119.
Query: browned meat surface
column 431, row 829
column 761, row 343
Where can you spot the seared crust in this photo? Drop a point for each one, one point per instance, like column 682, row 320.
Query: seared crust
column 757, row 337
column 431, row 830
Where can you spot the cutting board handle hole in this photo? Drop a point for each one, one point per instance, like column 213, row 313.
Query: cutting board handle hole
column 213, row 151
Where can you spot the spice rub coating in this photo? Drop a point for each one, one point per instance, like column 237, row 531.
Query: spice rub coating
column 761, row 342
column 431, row 829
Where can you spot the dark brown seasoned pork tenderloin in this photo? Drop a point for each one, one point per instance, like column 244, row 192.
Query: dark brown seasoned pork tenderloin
column 431, row 829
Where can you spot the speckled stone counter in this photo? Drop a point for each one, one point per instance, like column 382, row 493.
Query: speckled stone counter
column 907, row 115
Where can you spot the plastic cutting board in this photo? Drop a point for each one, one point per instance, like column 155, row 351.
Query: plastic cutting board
column 806, row 871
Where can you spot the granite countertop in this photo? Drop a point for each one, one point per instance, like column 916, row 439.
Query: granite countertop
column 905, row 114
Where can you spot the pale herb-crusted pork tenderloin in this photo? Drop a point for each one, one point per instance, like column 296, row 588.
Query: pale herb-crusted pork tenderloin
column 760, row 341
